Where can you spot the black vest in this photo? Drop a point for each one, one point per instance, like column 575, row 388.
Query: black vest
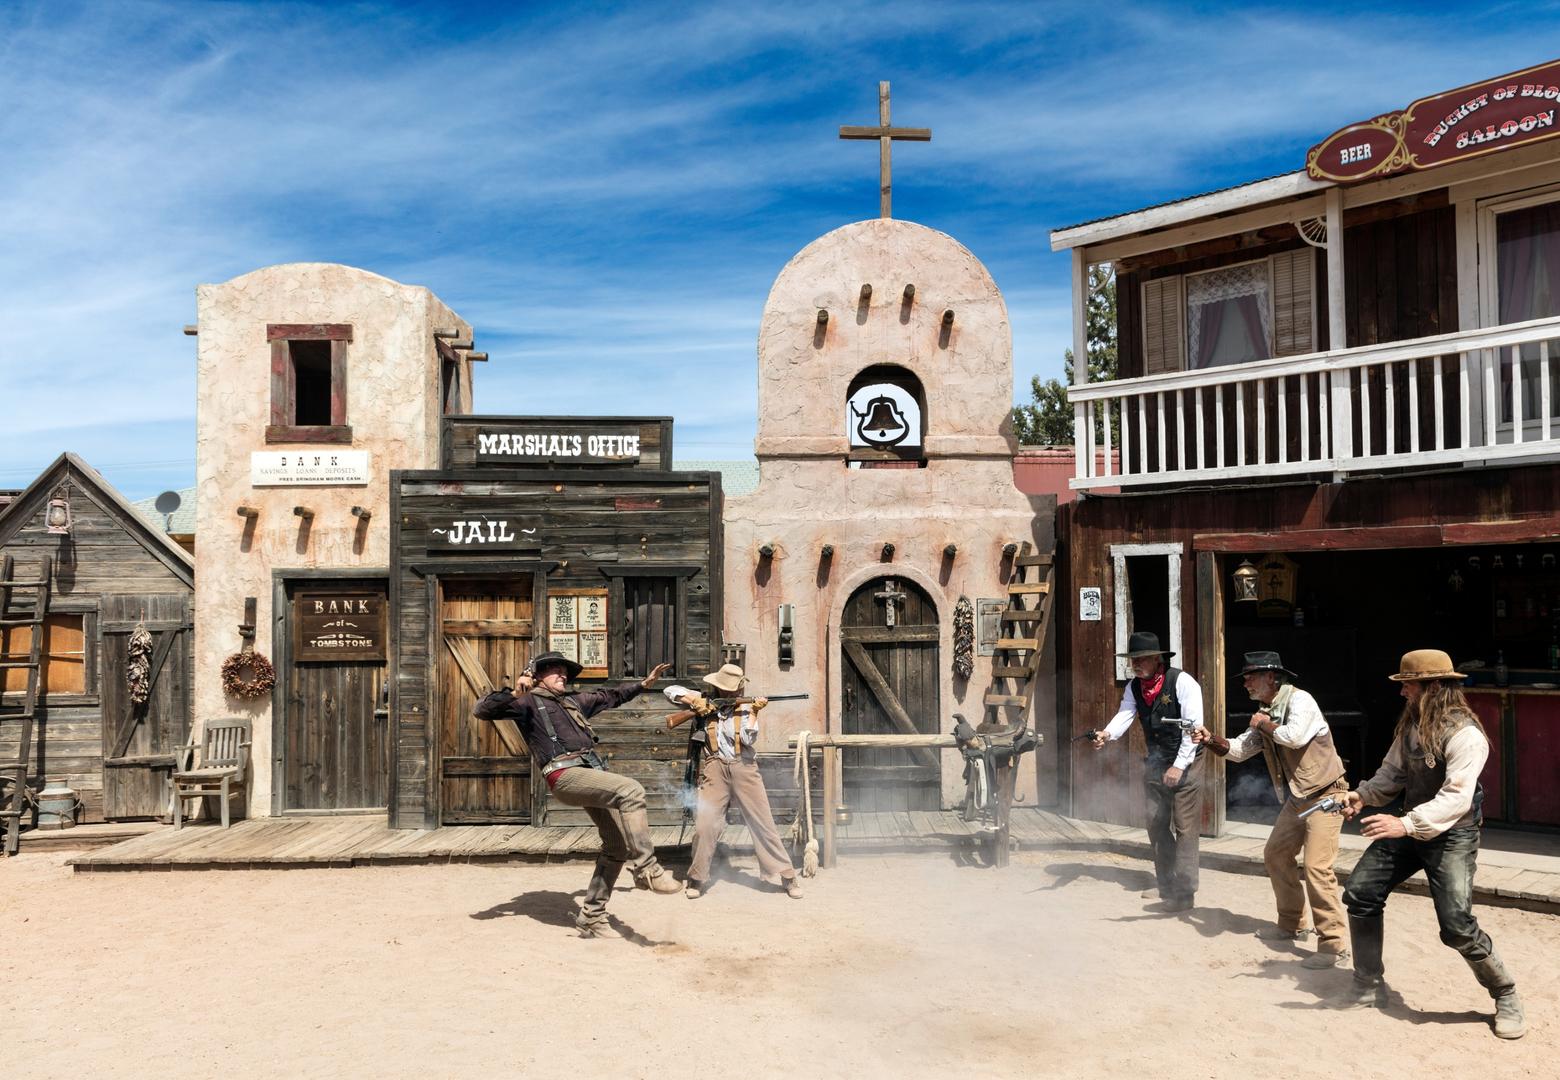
column 1163, row 740
column 1426, row 775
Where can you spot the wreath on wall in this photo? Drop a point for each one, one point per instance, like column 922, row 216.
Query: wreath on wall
column 247, row 675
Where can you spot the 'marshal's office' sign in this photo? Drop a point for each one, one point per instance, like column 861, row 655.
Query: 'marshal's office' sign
column 564, row 445
column 1459, row 124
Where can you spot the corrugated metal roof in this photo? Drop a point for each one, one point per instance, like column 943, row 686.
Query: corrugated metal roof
column 1170, row 202
column 182, row 521
column 736, row 477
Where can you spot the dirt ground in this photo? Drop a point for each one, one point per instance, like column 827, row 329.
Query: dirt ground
column 902, row 966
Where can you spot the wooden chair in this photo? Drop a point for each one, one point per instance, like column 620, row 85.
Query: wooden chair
column 221, row 769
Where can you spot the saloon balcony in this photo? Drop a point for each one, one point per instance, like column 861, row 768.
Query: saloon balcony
column 1449, row 400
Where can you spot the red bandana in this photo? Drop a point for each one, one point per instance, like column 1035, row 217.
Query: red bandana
column 1151, row 687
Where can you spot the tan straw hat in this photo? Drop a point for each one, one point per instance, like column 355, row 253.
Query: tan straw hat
column 729, row 678
column 1425, row 665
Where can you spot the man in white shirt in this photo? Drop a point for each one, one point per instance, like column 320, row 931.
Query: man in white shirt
column 1293, row 738
column 1434, row 761
column 1167, row 703
column 729, row 773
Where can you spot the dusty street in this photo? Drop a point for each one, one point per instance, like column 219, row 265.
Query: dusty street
column 904, row 966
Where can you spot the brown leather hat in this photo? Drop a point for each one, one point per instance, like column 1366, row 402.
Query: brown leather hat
column 1425, row 665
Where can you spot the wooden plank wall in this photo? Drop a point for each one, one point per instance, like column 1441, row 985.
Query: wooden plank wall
column 1424, row 510
column 599, row 521
column 100, row 559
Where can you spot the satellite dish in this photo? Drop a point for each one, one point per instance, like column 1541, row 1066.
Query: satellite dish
column 166, row 504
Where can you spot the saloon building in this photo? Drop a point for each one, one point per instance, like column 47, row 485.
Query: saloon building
column 1333, row 434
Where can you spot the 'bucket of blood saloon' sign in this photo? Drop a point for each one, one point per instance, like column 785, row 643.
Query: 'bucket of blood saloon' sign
column 1512, row 110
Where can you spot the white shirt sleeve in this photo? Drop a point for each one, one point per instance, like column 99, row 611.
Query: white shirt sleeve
column 1124, row 715
column 674, row 692
column 1302, row 723
column 1247, row 744
column 1189, row 694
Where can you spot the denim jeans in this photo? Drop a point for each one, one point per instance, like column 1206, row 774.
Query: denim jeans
column 1448, row 861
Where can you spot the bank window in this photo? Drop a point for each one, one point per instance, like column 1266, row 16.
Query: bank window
column 1231, row 315
column 308, row 383
column 649, row 624
column 62, row 662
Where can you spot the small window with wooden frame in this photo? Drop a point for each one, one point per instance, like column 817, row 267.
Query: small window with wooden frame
column 649, row 607
column 1233, row 314
column 308, row 382
column 62, row 662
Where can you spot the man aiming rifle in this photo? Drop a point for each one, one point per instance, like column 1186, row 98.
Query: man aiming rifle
column 728, row 723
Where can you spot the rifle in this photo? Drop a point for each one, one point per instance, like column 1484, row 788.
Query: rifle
column 723, row 707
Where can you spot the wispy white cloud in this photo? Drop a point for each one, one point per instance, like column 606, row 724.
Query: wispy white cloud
column 608, row 189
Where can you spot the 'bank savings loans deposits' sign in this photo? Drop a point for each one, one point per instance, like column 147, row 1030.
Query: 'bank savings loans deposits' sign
column 557, row 446
column 1479, row 119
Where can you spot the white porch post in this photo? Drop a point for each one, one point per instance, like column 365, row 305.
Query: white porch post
column 1083, row 437
column 1337, row 332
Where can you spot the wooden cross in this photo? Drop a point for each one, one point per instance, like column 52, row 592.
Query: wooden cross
column 890, row 596
column 885, row 136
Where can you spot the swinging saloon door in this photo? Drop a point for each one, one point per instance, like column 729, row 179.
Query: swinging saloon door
column 484, row 638
column 889, row 683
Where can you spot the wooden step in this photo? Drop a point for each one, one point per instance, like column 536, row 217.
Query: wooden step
column 1020, row 615
column 1003, row 671
column 1007, row 700
column 1028, row 644
column 1029, row 588
column 22, row 584
column 20, row 622
column 1032, row 560
column 18, row 663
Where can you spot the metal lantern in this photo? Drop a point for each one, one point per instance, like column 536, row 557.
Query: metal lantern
column 1245, row 578
column 56, row 518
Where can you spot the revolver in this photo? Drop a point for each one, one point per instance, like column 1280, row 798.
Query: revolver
column 1328, row 805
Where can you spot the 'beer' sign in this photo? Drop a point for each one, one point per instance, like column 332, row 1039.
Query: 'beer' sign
column 481, row 533
column 339, row 625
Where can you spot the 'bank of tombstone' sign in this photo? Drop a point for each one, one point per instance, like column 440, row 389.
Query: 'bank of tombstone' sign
column 1463, row 123
column 339, row 625
column 307, row 468
column 562, row 445
column 478, row 533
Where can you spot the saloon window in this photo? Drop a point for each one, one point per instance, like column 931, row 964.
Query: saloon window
column 308, row 383
column 1230, row 315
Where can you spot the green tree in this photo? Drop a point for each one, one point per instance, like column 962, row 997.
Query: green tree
column 1048, row 419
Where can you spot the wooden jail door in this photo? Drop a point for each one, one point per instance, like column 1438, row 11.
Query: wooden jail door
column 336, row 755
column 484, row 639
column 140, row 740
column 889, row 685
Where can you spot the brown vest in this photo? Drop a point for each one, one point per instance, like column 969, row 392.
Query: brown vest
column 1302, row 772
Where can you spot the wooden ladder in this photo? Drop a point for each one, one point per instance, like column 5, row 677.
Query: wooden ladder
column 16, row 771
column 1021, row 634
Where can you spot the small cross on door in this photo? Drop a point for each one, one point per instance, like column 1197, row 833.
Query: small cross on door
column 890, row 596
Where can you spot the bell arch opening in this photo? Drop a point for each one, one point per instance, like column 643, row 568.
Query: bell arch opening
column 885, row 419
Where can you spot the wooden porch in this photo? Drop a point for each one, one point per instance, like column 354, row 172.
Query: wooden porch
column 1515, row 868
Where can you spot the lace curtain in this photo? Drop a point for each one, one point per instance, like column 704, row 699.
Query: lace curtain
column 1229, row 315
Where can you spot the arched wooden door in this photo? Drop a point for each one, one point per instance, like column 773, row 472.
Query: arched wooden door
column 889, row 685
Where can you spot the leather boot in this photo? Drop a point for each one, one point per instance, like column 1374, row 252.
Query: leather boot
column 592, row 919
column 655, row 878
column 1510, row 1021
column 1367, row 990
column 648, row 873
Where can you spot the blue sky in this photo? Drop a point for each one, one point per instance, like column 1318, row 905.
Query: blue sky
column 607, row 191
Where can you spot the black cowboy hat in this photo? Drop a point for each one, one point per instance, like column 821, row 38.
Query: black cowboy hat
column 1144, row 643
column 547, row 658
column 1263, row 661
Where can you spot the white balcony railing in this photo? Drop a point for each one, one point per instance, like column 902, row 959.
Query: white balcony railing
column 1447, row 399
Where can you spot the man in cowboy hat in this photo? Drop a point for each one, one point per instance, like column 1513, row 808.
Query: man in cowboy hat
column 1292, row 736
column 1435, row 759
column 729, row 772
column 556, row 726
column 1159, row 698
